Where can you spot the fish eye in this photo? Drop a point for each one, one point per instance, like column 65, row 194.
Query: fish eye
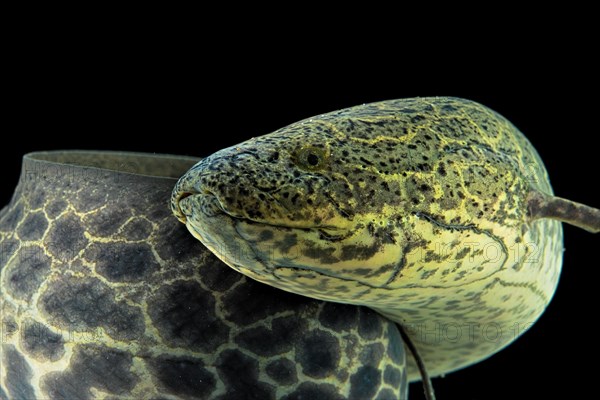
column 312, row 158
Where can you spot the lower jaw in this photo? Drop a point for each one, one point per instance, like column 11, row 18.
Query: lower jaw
column 190, row 227
column 219, row 234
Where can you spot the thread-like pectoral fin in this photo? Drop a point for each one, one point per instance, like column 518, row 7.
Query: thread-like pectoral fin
column 541, row 205
column 427, row 386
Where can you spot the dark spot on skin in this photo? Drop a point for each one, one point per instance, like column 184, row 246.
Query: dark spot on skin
column 372, row 354
column 282, row 371
column 41, row 343
column 265, row 235
column 123, row 262
column 310, row 390
column 79, row 304
column 323, row 254
column 386, row 235
column 364, row 383
column 359, row 252
column 387, row 394
column 33, row 227
column 251, row 302
column 18, row 373
column 183, row 376
column 369, row 324
column 66, row 238
column 239, row 374
column 462, row 253
column 423, row 167
column 441, row 169
column 426, row 274
column 318, row 353
column 338, row 317
column 392, row 376
column 269, row 342
column 91, row 366
column 371, row 228
column 184, row 314
column 365, row 161
column 29, row 269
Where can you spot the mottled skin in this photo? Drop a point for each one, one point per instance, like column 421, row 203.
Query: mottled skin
column 416, row 208
column 105, row 295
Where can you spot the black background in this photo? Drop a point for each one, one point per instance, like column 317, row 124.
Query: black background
column 193, row 97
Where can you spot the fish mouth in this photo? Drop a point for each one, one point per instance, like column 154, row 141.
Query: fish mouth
column 176, row 206
column 186, row 204
column 190, row 206
column 272, row 253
